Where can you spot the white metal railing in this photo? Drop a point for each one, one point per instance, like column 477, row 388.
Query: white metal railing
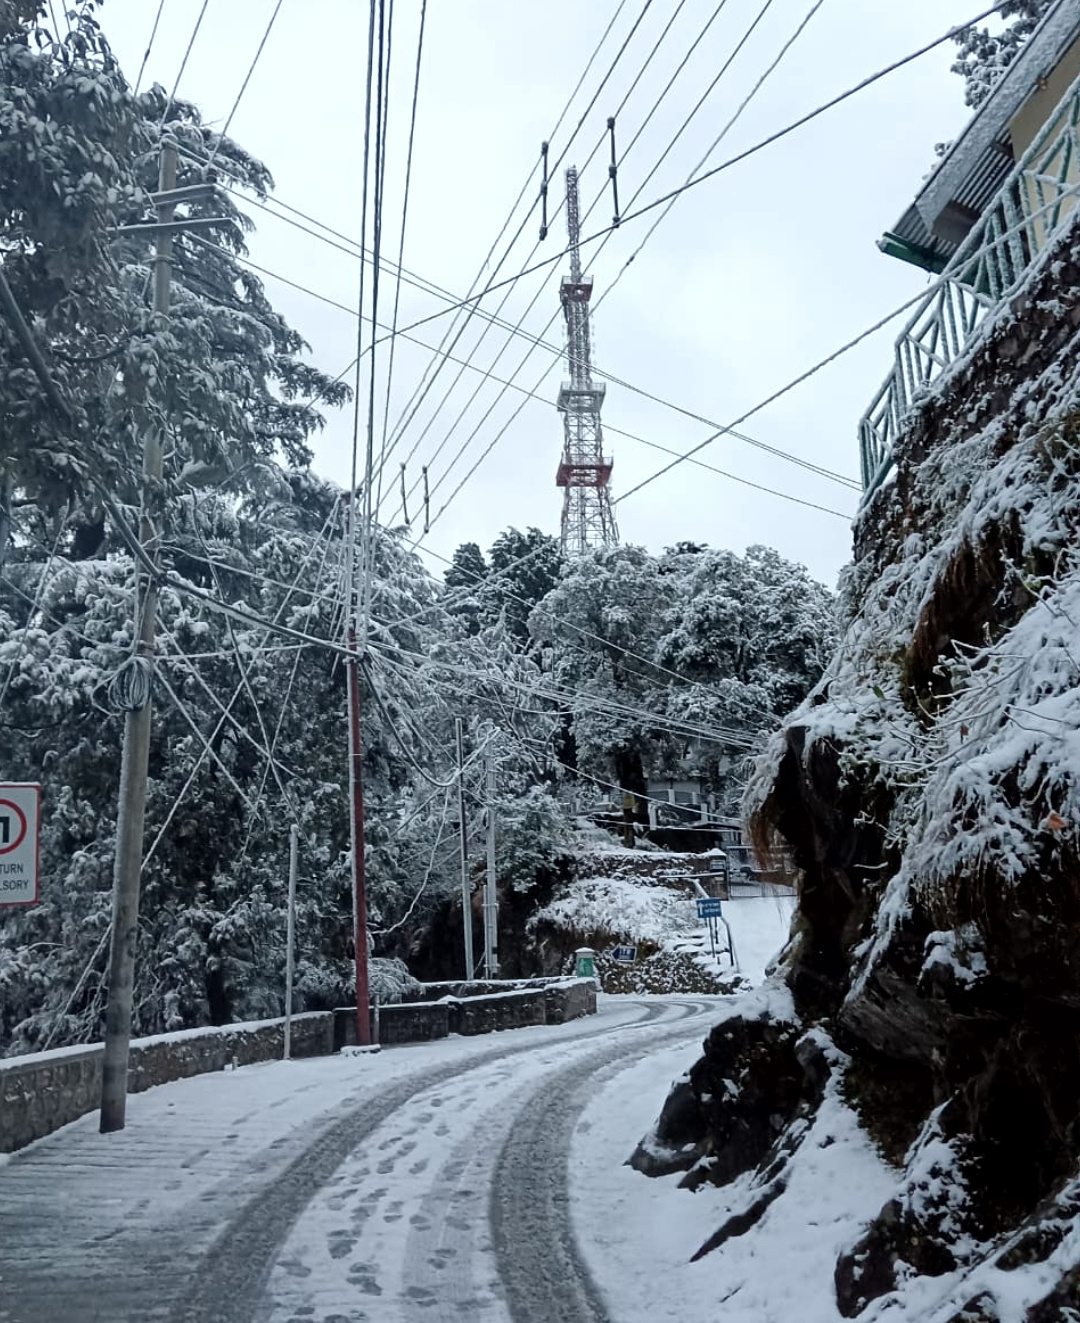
column 1030, row 209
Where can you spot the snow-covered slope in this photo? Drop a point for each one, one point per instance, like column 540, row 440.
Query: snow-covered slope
column 928, row 789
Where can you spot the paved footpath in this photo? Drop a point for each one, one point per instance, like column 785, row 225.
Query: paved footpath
column 425, row 1182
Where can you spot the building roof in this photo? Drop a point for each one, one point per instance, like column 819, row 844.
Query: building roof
column 979, row 161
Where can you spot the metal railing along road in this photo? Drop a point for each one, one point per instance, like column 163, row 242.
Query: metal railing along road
column 1029, row 211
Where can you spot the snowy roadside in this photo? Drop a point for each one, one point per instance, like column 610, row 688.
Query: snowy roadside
column 606, row 911
column 637, row 1234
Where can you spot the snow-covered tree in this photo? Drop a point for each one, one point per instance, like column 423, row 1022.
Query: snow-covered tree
column 985, row 55
column 679, row 664
column 465, row 578
column 600, row 625
column 523, row 568
column 224, row 377
column 751, row 635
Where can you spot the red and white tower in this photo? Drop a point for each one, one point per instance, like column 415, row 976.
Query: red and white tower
column 585, row 472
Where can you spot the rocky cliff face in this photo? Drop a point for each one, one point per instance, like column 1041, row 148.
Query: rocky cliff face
column 928, row 792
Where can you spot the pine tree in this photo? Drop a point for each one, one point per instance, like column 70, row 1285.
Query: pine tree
column 523, row 568
column 465, row 577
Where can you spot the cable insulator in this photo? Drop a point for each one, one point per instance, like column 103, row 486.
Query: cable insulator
column 613, row 173
column 404, row 507
column 544, row 193
column 129, row 689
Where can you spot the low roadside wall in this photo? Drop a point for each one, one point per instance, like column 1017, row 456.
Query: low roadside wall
column 43, row 1091
column 569, row 999
column 502, row 1010
column 475, row 1008
column 481, row 987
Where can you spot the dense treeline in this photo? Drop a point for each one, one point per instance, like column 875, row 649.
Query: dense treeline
column 596, row 672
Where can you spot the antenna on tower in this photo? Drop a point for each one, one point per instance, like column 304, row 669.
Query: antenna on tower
column 585, row 472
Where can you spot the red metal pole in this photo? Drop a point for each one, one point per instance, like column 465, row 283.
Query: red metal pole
column 356, row 787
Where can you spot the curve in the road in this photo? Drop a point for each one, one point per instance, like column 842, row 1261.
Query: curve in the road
column 230, row 1280
column 540, row 1267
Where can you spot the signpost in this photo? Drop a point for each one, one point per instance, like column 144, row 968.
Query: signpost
column 20, row 829
column 626, row 954
column 711, row 910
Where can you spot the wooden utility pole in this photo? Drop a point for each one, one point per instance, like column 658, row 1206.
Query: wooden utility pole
column 137, row 721
column 466, row 897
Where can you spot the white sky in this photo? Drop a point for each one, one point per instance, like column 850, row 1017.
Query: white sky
column 754, row 276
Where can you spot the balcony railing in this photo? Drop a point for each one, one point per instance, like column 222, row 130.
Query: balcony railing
column 1031, row 208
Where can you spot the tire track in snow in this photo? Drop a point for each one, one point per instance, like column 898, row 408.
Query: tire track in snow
column 541, row 1269
column 400, row 1232
column 230, row 1281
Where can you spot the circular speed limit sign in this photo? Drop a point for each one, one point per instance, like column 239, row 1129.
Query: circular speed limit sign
column 20, row 838
column 12, row 826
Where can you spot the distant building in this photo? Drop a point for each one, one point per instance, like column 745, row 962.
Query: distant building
column 679, row 801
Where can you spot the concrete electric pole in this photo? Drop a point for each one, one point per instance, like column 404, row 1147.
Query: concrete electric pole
column 135, row 687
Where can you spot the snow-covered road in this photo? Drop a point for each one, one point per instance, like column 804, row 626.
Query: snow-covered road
column 426, row 1182
column 472, row 1179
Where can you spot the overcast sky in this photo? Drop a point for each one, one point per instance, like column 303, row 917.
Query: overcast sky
column 754, row 275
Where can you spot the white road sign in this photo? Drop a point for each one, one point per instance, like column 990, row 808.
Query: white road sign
column 20, row 818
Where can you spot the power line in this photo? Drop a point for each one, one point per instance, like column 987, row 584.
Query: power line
column 723, row 132
column 723, row 70
column 183, row 65
column 149, row 46
column 355, row 454
column 430, row 287
column 412, row 408
column 559, row 353
column 583, row 699
column 516, row 329
column 671, row 82
column 243, row 86
column 830, row 474
column 777, row 394
column 376, row 248
column 401, row 243
column 703, row 98
column 734, row 160
column 804, row 376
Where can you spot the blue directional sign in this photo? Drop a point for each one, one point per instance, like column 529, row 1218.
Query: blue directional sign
column 708, row 907
column 627, row 954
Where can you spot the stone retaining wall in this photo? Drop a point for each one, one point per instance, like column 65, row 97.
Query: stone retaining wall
column 41, row 1092
column 503, row 1010
column 570, row 999
column 475, row 1010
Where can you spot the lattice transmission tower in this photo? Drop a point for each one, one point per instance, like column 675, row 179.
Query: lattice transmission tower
column 585, row 472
